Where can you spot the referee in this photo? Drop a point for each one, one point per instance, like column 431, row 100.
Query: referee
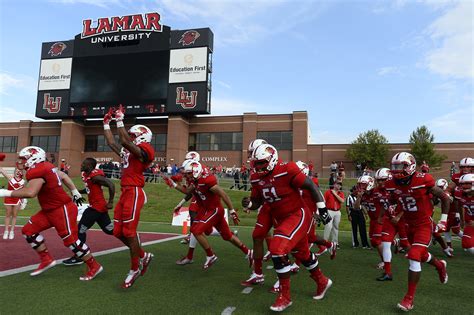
column 356, row 217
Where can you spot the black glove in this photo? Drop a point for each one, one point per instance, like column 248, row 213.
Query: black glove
column 324, row 216
column 78, row 200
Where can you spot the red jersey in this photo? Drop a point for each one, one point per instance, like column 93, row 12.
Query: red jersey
column 413, row 198
column 308, row 199
column 280, row 189
column 374, row 202
column 331, row 202
column 455, row 178
column 51, row 195
column 467, row 204
column 94, row 191
column 205, row 198
column 133, row 168
column 14, row 184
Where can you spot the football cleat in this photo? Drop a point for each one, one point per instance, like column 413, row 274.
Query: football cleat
column 333, row 249
column 321, row 250
column 185, row 240
column 210, row 260
column 406, row 304
column 145, row 262
column 443, row 274
column 92, row 273
column 132, row 276
column 275, row 288
column 253, row 280
column 380, row 265
column 321, row 291
column 281, row 303
column 448, row 252
column 385, row 277
column 73, row 261
column 5, row 235
column 267, row 256
column 294, row 268
column 43, row 266
column 184, row 261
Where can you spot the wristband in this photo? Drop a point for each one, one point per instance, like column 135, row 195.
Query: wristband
column 7, row 193
column 321, row 204
column 250, row 205
column 231, row 211
column 106, row 127
column 444, row 217
column 181, row 203
column 75, row 192
column 120, row 124
column 457, row 215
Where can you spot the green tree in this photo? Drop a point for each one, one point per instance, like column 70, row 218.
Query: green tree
column 370, row 148
column 422, row 147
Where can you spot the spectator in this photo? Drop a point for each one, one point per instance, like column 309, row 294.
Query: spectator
column 425, row 168
column 357, row 219
column 367, row 171
column 52, row 159
column 169, row 170
column 342, row 171
column 453, row 169
column 332, row 179
column 334, row 199
column 62, row 166
column 174, row 169
column 333, row 168
column 358, row 170
column 236, row 180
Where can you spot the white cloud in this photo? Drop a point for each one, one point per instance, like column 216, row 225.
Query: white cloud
column 452, row 34
column 388, row 70
column 9, row 114
column 9, row 81
column 457, row 124
column 224, row 84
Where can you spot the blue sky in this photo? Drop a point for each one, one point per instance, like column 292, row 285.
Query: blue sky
column 353, row 65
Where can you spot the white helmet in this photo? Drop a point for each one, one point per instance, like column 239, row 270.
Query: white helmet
column 442, row 183
column 264, row 158
column 193, row 155
column 465, row 180
column 383, row 173
column 403, row 165
column 32, row 155
column 303, row 167
column 192, row 167
column 253, row 145
column 466, row 165
column 365, row 183
column 140, row 133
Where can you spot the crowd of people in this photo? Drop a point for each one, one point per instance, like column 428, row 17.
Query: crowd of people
column 399, row 202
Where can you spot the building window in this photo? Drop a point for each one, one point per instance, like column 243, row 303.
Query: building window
column 8, row 144
column 215, row 141
column 282, row 140
column 47, row 143
column 98, row 144
column 159, row 142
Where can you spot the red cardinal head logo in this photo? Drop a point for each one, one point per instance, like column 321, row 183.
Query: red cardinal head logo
column 57, row 49
column 188, row 38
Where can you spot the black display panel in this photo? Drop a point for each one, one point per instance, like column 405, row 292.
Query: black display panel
column 135, row 78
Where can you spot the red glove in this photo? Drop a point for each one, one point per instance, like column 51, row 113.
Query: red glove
column 169, row 182
column 108, row 117
column 120, row 113
column 177, row 177
column 234, row 216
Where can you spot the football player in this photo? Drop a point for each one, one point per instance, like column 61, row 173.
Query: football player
column 393, row 223
column 278, row 184
column 208, row 194
column 97, row 212
column 57, row 210
column 136, row 154
column 454, row 216
column 465, row 200
column 411, row 191
column 466, row 166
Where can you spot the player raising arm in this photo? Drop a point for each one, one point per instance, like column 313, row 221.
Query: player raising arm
column 137, row 154
column 57, row 210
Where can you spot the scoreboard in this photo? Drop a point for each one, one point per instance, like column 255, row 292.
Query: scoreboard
column 131, row 60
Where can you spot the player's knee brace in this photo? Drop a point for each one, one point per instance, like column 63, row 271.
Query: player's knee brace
column 415, row 266
column 79, row 248
column 311, row 263
column 281, row 264
column 35, row 240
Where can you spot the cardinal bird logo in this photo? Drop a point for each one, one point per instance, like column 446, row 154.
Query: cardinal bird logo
column 57, row 49
column 188, row 38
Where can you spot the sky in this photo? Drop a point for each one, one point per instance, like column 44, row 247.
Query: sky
column 352, row 65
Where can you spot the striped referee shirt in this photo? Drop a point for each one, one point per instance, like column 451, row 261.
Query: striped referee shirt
column 350, row 203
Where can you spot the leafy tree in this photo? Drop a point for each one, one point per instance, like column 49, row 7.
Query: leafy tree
column 370, row 148
column 422, row 147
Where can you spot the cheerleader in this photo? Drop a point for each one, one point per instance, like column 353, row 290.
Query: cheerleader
column 12, row 205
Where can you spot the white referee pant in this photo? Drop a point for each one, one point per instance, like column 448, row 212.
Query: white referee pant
column 331, row 230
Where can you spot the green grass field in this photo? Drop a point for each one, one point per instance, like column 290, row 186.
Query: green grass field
column 171, row 289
